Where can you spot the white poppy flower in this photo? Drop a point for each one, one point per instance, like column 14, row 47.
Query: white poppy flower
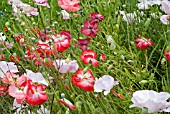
column 105, row 83
column 151, row 100
column 65, row 14
column 2, row 37
column 36, row 77
column 7, row 66
column 64, row 66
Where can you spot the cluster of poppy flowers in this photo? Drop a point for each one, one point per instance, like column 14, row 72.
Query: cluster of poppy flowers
column 29, row 87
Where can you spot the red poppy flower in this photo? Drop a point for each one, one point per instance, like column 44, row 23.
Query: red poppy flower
column 143, row 43
column 83, row 80
column 20, row 39
column 5, row 29
column 15, row 58
column 167, row 54
column 95, row 17
column 83, row 43
column 69, row 5
column 103, row 57
column 36, row 95
column 89, row 55
column 90, row 28
column 2, row 90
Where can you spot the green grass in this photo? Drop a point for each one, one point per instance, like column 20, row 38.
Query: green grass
column 137, row 65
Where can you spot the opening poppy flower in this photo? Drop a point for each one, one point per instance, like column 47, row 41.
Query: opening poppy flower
column 167, row 54
column 83, row 80
column 90, row 28
column 89, row 55
column 67, row 103
column 143, row 43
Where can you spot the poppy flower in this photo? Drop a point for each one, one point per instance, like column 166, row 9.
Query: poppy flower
column 83, row 43
column 42, row 3
column 67, row 103
column 2, row 89
column 29, row 10
column 95, row 17
column 18, row 94
column 2, row 37
column 103, row 57
column 8, row 78
column 20, row 39
column 61, row 41
column 36, row 95
column 69, row 5
column 36, row 77
column 15, row 59
column 83, row 80
column 105, row 83
column 165, row 19
column 65, row 14
column 7, row 67
column 65, row 66
column 143, row 43
column 167, row 54
column 89, row 55
column 90, row 28
column 151, row 100
column 5, row 29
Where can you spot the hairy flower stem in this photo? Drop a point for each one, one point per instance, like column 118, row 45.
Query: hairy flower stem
column 51, row 107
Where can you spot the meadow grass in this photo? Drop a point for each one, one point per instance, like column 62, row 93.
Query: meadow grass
column 135, row 69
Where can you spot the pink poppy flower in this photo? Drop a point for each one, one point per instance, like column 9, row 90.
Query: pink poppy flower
column 89, row 55
column 83, row 80
column 8, row 78
column 143, row 43
column 167, row 54
column 19, row 95
column 95, row 17
column 29, row 10
column 69, row 5
column 67, row 103
column 90, row 28
column 83, row 43
column 64, row 66
column 42, row 3
column 36, row 95
column 165, row 6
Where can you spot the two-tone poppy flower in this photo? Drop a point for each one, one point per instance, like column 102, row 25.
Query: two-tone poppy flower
column 84, row 80
column 167, row 54
column 89, row 56
column 143, row 43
